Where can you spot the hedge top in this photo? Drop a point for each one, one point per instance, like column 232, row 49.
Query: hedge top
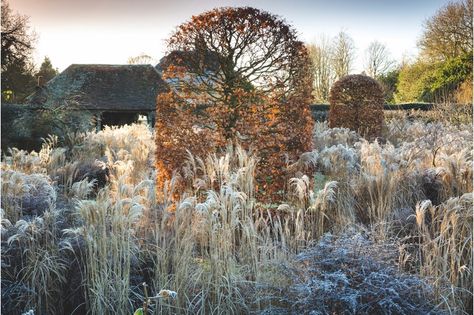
column 356, row 90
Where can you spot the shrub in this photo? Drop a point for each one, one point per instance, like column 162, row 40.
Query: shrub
column 14, row 132
column 24, row 194
column 256, row 93
column 389, row 83
column 352, row 274
column 449, row 75
column 357, row 103
column 441, row 81
column 414, row 80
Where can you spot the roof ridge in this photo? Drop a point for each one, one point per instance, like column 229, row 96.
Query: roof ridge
column 110, row 64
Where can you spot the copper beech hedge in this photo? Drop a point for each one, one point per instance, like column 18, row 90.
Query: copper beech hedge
column 356, row 102
column 240, row 75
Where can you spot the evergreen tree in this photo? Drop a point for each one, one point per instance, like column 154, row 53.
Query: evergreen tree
column 46, row 71
column 18, row 81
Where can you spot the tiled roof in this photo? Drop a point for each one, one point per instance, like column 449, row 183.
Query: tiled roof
column 102, row 87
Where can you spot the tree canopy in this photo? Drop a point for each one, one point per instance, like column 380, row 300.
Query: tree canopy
column 443, row 70
column 236, row 74
column 17, row 39
column 17, row 46
column 46, row 71
column 249, row 46
column 448, row 33
column 343, row 54
column 377, row 60
column 434, row 81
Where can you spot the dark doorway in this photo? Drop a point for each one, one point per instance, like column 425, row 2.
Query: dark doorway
column 118, row 118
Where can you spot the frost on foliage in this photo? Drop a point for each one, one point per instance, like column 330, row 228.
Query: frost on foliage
column 24, row 194
column 338, row 159
column 354, row 275
column 323, row 136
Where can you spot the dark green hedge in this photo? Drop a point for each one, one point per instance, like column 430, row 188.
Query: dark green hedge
column 320, row 111
column 15, row 133
column 24, row 126
column 406, row 106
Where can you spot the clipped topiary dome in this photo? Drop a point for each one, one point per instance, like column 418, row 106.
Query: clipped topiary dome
column 356, row 102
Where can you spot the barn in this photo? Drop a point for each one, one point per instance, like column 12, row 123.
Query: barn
column 113, row 94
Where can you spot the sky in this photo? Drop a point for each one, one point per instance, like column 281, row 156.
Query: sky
column 111, row 31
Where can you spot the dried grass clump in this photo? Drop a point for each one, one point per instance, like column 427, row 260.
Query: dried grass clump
column 112, row 219
column 386, row 185
column 221, row 250
column 205, row 246
column 43, row 161
column 445, row 253
column 70, row 176
column 314, row 212
column 43, row 269
column 327, row 137
column 385, row 182
column 356, row 102
column 353, row 274
column 451, row 113
column 423, row 161
column 433, row 134
column 132, row 143
column 110, row 249
column 33, row 265
column 446, row 113
column 23, row 161
column 26, row 195
column 129, row 138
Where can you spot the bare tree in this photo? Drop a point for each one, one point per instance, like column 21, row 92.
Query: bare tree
column 249, row 49
column 17, row 47
column 377, row 60
column 449, row 32
column 17, row 40
column 321, row 53
column 343, row 54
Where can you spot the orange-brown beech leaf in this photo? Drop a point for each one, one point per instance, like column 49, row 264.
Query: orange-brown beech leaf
column 236, row 75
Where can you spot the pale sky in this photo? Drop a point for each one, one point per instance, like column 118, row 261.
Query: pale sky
column 111, row 31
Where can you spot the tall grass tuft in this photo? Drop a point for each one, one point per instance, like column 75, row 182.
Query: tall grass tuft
column 446, row 252
column 41, row 273
column 206, row 244
column 110, row 248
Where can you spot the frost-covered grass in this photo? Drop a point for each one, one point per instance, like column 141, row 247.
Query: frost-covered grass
column 82, row 229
